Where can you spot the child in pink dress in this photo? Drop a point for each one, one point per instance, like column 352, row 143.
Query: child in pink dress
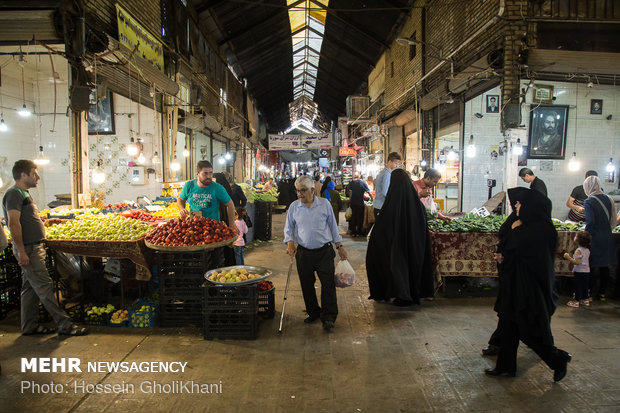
column 239, row 243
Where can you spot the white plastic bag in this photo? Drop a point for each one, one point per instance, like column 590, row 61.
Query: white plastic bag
column 345, row 274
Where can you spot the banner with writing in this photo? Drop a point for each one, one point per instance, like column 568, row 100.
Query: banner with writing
column 131, row 33
column 288, row 142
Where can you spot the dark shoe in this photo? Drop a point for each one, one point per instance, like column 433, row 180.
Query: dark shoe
column 560, row 373
column 499, row 373
column 74, row 330
column 490, row 350
column 40, row 330
column 328, row 326
column 311, row 319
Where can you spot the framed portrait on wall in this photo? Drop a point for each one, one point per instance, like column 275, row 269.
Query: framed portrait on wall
column 596, row 106
column 547, row 135
column 101, row 116
column 492, row 103
column 543, row 94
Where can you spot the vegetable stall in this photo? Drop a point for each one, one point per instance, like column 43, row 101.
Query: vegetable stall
column 464, row 247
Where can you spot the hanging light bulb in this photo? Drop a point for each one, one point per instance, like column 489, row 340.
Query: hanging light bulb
column 132, row 148
column 185, row 152
column 227, row 156
column 3, row 127
column 423, row 163
column 141, row 158
column 518, row 148
column 175, row 165
column 41, row 159
column 610, row 166
column 573, row 164
column 156, row 160
column 24, row 111
column 99, row 173
column 221, row 160
column 471, row 148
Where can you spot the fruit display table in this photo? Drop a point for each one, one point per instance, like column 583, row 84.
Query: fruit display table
column 135, row 251
column 471, row 254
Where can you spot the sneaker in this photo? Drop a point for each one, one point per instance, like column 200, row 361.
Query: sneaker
column 603, row 297
column 585, row 303
column 590, row 299
column 573, row 303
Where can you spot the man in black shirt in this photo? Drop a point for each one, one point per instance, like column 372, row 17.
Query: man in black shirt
column 535, row 183
column 357, row 188
column 576, row 199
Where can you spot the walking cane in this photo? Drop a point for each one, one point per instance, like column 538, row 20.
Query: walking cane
column 288, row 278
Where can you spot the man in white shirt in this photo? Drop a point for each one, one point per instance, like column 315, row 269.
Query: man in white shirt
column 382, row 183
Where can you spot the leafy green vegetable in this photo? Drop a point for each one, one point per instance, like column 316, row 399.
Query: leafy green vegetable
column 468, row 223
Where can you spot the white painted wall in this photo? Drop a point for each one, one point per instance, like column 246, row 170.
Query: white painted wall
column 594, row 138
column 24, row 135
column 112, row 149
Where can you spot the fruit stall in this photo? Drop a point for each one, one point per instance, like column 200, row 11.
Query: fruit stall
column 464, row 247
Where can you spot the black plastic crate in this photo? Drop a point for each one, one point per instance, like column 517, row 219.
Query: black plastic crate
column 185, row 263
column 267, row 303
column 182, row 287
column 180, row 313
column 9, row 298
column 243, row 298
column 10, row 272
column 224, row 324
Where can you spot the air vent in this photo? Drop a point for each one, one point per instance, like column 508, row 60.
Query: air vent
column 357, row 107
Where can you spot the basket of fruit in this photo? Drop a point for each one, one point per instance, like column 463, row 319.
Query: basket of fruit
column 237, row 275
column 119, row 319
column 143, row 315
column 190, row 234
column 98, row 316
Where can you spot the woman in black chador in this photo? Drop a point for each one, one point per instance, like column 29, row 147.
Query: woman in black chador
column 527, row 298
column 397, row 259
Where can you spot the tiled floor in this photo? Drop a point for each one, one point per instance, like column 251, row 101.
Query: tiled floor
column 379, row 358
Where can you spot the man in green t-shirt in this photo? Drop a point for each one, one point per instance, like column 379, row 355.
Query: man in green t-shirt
column 205, row 196
column 28, row 236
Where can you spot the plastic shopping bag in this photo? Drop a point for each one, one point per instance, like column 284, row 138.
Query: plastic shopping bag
column 345, row 274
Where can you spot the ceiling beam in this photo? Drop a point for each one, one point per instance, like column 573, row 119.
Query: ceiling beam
column 349, row 49
column 339, row 16
column 254, row 25
column 207, row 5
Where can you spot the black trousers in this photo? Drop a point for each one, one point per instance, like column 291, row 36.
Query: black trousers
column 322, row 262
column 376, row 212
column 581, row 281
column 357, row 219
column 511, row 334
column 600, row 274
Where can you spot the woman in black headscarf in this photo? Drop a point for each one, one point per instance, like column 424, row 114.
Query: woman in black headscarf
column 527, row 298
column 222, row 179
column 395, row 259
column 514, row 195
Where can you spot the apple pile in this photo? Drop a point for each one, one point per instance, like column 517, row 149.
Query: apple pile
column 190, row 231
column 141, row 216
column 233, row 276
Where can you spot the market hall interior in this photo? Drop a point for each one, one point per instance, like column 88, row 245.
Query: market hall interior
column 379, row 357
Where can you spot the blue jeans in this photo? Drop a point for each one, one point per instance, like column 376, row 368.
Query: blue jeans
column 239, row 255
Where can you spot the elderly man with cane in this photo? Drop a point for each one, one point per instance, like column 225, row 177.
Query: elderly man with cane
column 311, row 222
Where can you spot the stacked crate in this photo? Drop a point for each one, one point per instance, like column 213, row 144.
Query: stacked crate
column 230, row 312
column 10, row 281
column 262, row 223
column 181, row 275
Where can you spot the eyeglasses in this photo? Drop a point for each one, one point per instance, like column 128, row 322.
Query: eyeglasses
column 301, row 191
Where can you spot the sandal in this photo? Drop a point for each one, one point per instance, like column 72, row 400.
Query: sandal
column 74, row 330
column 40, row 330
